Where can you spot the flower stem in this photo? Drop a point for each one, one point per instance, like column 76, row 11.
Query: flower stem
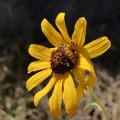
column 94, row 96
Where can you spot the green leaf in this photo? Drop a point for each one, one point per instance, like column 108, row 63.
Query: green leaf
column 92, row 104
column 97, row 101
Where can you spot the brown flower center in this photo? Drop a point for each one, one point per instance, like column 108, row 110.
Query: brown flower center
column 64, row 58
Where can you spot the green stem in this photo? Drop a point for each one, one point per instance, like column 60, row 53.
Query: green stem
column 93, row 94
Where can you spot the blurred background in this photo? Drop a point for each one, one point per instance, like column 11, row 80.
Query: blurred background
column 20, row 26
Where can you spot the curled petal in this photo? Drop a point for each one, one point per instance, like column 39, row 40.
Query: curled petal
column 39, row 52
column 86, row 64
column 37, row 78
column 79, row 33
column 51, row 34
column 60, row 23
column 44, row 91
column 70, row 95
column 56, row 98
column 97, row 47
column 38, row 65
column 79, row 74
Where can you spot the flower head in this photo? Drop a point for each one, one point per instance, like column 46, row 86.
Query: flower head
column 68, row 61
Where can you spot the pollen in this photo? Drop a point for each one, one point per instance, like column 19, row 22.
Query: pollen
column 64, row 58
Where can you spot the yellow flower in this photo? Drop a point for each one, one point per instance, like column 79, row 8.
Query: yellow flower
column 68, row 64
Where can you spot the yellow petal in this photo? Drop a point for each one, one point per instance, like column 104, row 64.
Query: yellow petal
column 79, row 74
column 70, row 95
column 38, row 65
column 56, row 98
column 37, row 78
column 60, row 23
column 79, row 33
column 44, row 91
column 86, row 64
column 51, row 34
column 98, row 47
column 39, row 52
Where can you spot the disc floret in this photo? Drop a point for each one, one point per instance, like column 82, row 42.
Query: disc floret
column 64, row 58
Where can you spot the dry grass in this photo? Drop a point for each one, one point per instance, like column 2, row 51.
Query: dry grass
column 17, row 104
